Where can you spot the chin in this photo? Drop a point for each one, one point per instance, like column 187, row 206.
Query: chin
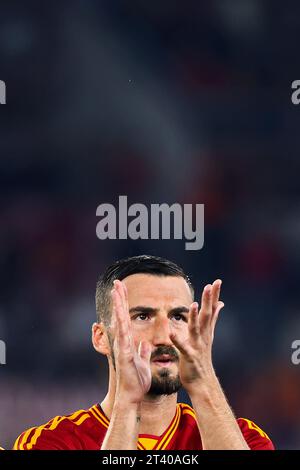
column 171, row 367
column 165, row 381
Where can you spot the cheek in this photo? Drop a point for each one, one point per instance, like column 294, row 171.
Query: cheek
column 140, row 333
column 180, row 327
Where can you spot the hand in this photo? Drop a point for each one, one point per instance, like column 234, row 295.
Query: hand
column 195, row 365
column 133, row 372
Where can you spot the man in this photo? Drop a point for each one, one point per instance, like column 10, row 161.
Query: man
column 156, row 340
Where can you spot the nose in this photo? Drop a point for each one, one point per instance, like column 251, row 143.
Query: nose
column 161, row 334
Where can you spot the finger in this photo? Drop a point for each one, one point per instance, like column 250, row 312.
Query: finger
column 216, row 315
column 125, row 312
column 144, row 350
column 216, row 289
column 125, row 294
column 205, row 313
column 193, row 320
column 113, row 321
column 182, row 346
column 117, row 310
column 122, row 330
column 119, row 287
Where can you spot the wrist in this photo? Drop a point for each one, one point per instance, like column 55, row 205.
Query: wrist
column 123, row 427
column 124, row 403
column 126, row 412
column 125, row 398
column 204, row 388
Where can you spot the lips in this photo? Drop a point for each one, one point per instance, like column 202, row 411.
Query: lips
column 164, row 360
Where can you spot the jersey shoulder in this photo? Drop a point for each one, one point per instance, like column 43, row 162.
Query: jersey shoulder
column 255, row 437
column 187, row 412
column 60, row 433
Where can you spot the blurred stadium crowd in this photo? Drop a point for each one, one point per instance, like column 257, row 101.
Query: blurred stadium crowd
column 163, row 102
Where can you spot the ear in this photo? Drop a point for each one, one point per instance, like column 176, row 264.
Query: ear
column 100, row 339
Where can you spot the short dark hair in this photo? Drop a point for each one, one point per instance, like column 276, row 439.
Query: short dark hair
column 144, row 264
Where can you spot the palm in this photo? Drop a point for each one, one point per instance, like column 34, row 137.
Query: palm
column 143, row 371
column 132, row 367
column 196, row 351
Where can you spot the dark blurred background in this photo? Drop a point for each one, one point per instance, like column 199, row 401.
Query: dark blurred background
column 186, row 102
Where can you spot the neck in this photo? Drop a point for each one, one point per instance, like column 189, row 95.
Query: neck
column 156, row 411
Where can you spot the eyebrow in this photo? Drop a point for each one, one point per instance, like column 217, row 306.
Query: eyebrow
column 151, row 310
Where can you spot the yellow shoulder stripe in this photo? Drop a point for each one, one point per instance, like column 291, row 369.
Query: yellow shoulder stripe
column 187, row 409
column 98, row 418
column 185, row 406
column 22, row 439
column 100, row 414
column 50, row 426
column 16, row 444
column 254, row 426
column 188, row 412
column 81, row 419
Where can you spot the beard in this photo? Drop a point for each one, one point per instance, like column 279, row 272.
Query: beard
column 164, row 384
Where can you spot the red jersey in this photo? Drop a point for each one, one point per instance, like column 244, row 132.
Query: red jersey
column 86, row 429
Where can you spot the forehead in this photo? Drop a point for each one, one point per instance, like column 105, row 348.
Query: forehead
column 147, row 289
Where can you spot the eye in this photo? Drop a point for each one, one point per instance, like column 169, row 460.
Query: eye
column 141, row 317
column 179, row 317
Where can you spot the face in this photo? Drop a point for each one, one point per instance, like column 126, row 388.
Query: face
column 159, row 305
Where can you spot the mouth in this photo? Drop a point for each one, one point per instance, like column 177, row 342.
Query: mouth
column 164, row 360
